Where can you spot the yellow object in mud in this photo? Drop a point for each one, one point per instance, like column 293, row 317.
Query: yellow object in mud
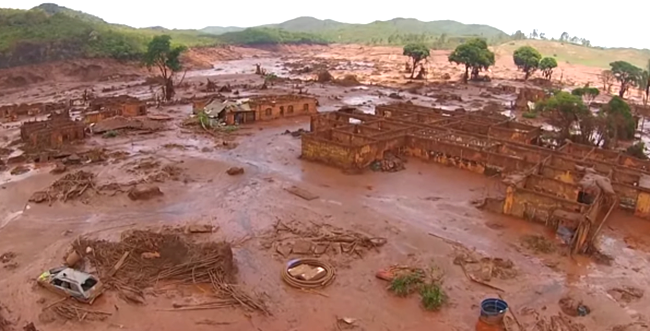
column 44, row 275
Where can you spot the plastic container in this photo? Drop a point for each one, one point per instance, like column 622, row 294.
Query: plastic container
column 492, row 311
column 482, row 326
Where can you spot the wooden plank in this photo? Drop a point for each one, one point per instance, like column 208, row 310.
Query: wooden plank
column 301, row 193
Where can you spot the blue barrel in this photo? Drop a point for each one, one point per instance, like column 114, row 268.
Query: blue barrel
column 493, row 310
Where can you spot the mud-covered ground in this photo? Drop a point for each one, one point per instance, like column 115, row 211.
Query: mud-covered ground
column 425, row 212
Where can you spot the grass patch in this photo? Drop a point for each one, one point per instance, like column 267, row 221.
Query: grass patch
column 405, row 284
column 576, row 54
column 429, row 285
column 432, row 296
column 530, row 114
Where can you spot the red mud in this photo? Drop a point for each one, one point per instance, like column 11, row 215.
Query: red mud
column 403, row 207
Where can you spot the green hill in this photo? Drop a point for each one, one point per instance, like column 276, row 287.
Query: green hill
column 396, row 31
column 50, row 32
column 52, row 8
column 576, row 54
column 307, row 24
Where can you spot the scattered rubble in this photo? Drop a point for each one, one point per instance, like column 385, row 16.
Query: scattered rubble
column 59, row 168
column 390, row 163
column 144, row 192
column 7, row 260
column 324, row 77
column 573, row 307
column 5, row 324
column 69, row 187
column 233, row 171
column 486, row 268
column 539, row 243
column 626, row 294
column 19, row 170
column 296, row 133
column 315, row 240
column 123, row 123
column 557, row 323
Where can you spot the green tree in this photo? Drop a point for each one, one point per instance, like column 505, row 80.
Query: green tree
column 644, row 83
column 161, row 55
column 588, row 93
column 625, row 73
column 519, row 35
column 546, row 65
column 417, row 52
column 565, row 110
column 637, row 150
column 475, row 55
column 620, row 123
column 527, row 60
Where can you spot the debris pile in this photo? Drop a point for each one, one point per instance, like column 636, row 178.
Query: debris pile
column 296, row 238
column 626, row 294
column 167, row 172
column 71, row 311
column 7, row 260
column 348, row 80
column 486, row 268
column 296, row 133
column 233, row 171
column 143, row 258
column 123, row 123
column 151, row 168
column 144, row 192
column 390, row 163
column 5, row 324
column 557, row 323
column 573, row 307
column 538, row 243
column 69, row 187
column 324, row 77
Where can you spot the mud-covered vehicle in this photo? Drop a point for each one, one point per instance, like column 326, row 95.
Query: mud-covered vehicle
column 72, row 283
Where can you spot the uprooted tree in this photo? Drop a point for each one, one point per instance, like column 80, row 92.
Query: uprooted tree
column 546, row 65
column 417, row 53
column 475, row 55
column 166, row 58
column 527, row 60
column 625, row 73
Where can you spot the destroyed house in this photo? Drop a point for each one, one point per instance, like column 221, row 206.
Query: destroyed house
column 14, row 111
column 248, row 110
column 573, row 188
column 104, row 108
column 53, row 132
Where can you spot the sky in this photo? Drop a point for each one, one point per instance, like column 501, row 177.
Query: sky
column 585, row 19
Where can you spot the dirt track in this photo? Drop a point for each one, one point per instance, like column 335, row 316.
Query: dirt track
column 402, row 207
